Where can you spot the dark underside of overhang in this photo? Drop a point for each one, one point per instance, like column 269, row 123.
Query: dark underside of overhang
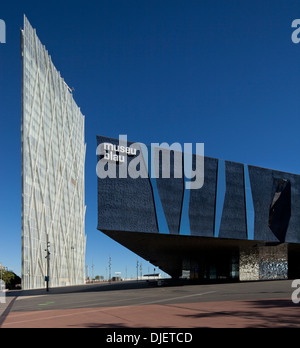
column 171, row 252
column 174, row 253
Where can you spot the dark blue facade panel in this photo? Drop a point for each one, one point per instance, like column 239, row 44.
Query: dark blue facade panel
column 221, row 208
column 125, row 204
column 263, row 187
column 261, row 181
column 293, row 231
column 233, row 223
column 203, row 201
column 171, row 194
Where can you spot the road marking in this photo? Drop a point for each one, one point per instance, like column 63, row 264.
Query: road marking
column 174, row 298
column 28, row 297
column 102, row 309
column 45, row 304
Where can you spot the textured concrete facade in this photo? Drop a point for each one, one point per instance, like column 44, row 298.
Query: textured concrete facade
column 264, row 262
column 53, row 165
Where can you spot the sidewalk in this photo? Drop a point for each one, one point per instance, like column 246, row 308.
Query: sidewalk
column 80, row 288
column 5, row 308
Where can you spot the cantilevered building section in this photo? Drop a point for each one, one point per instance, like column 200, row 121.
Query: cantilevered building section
column 53, row 160
column 243, row 223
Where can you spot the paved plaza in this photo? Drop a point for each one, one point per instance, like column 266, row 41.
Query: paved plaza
column 138, row 305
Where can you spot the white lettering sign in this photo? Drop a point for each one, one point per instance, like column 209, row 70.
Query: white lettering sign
column 112, row 155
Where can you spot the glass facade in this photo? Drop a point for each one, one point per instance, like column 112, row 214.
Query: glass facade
column 53, row 160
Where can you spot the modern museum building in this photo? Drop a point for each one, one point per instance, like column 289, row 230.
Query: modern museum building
column 243, row 222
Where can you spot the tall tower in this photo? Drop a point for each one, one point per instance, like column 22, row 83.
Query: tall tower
column 53, row 164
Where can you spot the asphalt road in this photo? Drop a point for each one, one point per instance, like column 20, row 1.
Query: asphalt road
column 129, row 294
column 132, row 305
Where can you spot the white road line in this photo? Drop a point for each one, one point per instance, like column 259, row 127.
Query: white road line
column 27, row 297
column 174, row 298
column 103, row 309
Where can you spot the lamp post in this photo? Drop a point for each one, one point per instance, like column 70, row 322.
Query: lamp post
column 48, row 265
column 72, row 280
column 109, row 267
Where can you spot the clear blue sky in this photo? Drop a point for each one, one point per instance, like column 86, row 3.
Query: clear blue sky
column 225, row 73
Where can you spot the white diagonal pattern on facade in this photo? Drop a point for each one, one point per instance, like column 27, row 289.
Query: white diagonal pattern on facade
column 53, row 158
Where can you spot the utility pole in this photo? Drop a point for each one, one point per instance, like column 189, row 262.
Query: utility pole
column 48, row 265
column 93, row 270
column 73, row 267
column 137, row 269
column 87, row 271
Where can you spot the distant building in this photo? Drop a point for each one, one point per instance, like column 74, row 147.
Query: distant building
column 53, row 161
column 2, row 269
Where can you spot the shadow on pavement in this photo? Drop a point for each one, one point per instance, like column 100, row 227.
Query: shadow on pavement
column 6, row 311
column 264, row 313
column 81, row 288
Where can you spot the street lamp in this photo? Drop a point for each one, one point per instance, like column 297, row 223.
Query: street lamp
column 48, row 265
column 109, row 267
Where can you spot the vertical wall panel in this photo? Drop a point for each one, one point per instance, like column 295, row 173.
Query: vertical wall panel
column 171, row 192
column 125, row 204
column 262, row 192
column 263, row 184
column 233, row 224
column 250, row 216
column 202, row 201
column 220, row 196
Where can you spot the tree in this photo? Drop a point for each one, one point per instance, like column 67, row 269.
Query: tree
column 10, row 279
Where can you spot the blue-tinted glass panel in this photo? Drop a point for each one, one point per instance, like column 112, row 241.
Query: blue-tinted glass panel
column 185, row 221
column 221, row 189
column 249, row 204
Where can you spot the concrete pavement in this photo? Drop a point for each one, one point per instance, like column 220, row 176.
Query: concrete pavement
column 253, row 304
